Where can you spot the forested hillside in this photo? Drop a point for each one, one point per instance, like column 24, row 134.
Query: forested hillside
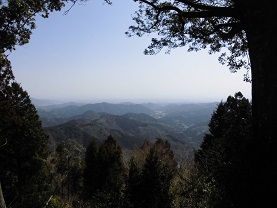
column 129, row 160
column 184, row 125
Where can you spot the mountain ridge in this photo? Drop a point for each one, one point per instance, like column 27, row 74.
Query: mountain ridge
column 182, row 125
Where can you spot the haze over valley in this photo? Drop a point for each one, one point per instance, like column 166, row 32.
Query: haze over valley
column 183, row 125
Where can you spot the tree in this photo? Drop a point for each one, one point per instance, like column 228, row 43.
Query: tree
column 193, row 189
column 6, row 76
column 66, row 166
column 17, row 19
column 23, row 144
column 104, row 174
column 20, row 128
column 223, row 157
column 90, row 170
column 241, row 27
column 151, row 171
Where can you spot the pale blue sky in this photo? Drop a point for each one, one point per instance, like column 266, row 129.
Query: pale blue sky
column 85, row 56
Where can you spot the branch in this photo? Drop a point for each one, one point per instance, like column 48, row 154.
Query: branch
column 67, row 11
column 207, row 11
column 201, row 6
column 192, row 184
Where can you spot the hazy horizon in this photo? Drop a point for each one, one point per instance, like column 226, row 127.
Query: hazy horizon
column 49, row 102
column 86, row 56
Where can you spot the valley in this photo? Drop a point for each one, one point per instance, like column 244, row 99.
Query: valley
column 183, row 125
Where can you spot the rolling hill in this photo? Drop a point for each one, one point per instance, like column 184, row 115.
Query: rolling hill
column 182, row 125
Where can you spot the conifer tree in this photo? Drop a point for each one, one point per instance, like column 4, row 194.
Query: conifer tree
column 105, row 174
column 91, row 169
column 152, row 168
column 22, row 141
column 223, row 156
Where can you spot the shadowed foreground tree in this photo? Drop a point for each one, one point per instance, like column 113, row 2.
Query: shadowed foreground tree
column 90, row 170
column 6, row 76
column 151, row 171
column 223, row 157
column 23, row 144
column 17, row 20
column 104, row 174
column 237, row 28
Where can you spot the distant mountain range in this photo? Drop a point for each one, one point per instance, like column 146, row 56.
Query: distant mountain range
column 183, row 125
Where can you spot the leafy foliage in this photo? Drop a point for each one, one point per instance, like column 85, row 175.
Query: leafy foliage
column 198, row 24
column 17, row 19
column 66, row 166
column 192, row 189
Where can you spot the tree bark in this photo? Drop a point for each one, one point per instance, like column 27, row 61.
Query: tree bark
column 260, row 19
column 2, row 200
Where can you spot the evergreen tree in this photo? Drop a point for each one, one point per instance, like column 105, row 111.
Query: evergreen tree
column 91, row 169
column 223, row 156
column 111, row 166
column 105, row 174
column 23, row 144
column 150, row 175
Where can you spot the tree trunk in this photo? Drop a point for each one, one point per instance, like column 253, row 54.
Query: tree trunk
column 260, row 19
column 2, row 200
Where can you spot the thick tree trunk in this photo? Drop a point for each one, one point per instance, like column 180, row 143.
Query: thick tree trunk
column 2, row 200
column 260, row 21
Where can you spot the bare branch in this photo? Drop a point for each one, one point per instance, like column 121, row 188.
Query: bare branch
column 67, row 11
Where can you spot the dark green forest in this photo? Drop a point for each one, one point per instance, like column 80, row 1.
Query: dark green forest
column 235, row 165
column 102, row 175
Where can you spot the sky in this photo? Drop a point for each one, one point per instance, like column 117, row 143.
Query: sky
column 85, row 56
